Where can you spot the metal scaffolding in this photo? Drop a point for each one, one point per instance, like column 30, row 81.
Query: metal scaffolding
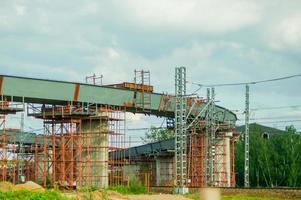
column 196, row 158
column 8, row 146
column 143, row 87
column 74, row 150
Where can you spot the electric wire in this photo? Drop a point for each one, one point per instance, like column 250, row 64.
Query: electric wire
column 246, row 83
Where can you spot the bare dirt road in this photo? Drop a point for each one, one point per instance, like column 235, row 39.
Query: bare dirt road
column 157, row 197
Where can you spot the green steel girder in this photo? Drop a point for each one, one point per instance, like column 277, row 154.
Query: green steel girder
column 43, row 91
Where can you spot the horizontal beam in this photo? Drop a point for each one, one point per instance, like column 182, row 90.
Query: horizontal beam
column 43, row 91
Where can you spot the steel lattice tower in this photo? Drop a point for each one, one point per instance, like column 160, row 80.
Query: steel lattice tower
column 210, row 138
column 180, row 129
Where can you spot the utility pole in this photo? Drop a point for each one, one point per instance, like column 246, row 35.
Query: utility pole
column 212, row 138
column 208, row 127
column 180, row 131
column 247, row 147
column 21, row 153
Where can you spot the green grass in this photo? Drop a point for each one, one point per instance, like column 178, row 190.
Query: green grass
column 248, row 198
column 29, row 195
column 128, row 189
column 135, row 187
column 234, row 197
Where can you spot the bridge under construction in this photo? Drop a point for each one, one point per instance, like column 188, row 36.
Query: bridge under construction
column 84, row 143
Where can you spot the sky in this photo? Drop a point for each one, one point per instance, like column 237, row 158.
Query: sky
column 217, row 41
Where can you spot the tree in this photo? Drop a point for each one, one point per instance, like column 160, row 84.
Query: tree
column 291, row 129
column 157, row 134
column 273, row 162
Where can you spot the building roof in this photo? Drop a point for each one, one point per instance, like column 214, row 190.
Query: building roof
column 150, row 149
column 261, row 128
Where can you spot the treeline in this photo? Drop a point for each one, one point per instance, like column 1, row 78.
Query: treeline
column 275, row 157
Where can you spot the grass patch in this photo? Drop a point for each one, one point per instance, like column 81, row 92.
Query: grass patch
column 87, row 189
column 29, row 195
column 238, row 197
column 234, row 197
column 135, row 187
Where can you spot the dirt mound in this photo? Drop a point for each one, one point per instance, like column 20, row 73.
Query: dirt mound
column 6, row 186
column 29, row 185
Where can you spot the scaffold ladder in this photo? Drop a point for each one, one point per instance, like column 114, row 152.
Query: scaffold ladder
column 142, row 79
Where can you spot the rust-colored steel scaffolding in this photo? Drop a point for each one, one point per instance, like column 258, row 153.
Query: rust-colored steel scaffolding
column 196, row 158
column 117, row 146
column 142, row 83
column 224, row 175
column 8, row 159
column 74, row 150
column 8, row 146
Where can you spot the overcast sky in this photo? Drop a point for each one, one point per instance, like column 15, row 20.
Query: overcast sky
column 218, row 41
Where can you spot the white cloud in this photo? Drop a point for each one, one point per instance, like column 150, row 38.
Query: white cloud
column 209, row 16
column 286, row 34
column 20, row 10
column 71, row 39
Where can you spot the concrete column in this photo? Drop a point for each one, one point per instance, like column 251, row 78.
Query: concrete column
column 158, row 171
column 219, row 163
column 95, row 153
column 228, row 161
column 223, row 162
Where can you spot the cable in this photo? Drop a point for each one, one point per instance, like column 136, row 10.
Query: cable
column 141, row 129
column 284, row 121
column 241, row 112
column 275, row 108
column 246, row 83
column 277, row 117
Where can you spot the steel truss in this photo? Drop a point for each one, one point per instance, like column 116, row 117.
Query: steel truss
column 180, row 129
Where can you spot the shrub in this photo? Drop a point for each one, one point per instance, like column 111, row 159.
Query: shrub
column 29, row 195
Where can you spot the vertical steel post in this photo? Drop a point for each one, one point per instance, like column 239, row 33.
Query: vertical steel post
column 21, row 154
column 247, row 116
column 207, row 141
column 212, row 139
column 180, row 130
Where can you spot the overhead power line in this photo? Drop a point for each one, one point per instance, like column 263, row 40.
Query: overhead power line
column 275, row 108
column 281, row 121
column 278, row 117
column 247, row 83
column 238, row 111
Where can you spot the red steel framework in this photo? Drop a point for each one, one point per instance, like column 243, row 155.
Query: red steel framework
column 224, row 152
column 69, row 153
column 196, row 158
column 8, row 156
column 74, row 150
